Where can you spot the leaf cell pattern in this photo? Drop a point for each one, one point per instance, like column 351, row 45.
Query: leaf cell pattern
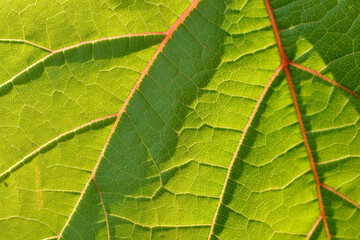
column 203, row 119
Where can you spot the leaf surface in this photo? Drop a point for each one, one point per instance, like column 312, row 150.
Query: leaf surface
column 204, row 119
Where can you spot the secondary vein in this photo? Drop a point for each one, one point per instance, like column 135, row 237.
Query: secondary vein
column 239, row 145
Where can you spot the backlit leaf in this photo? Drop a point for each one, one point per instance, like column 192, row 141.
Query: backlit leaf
column 179, row 119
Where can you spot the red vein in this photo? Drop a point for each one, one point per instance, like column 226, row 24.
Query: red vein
column 341, row 195
column 103, row 206
column 239, row 145
column 313, row 228
column 323, row 77
column 168, row 35
column 285, row 63
column 37, row 150
column 277, row 33
column 136, row 86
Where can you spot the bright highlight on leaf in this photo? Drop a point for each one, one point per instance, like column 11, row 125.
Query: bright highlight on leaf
column 179, row 119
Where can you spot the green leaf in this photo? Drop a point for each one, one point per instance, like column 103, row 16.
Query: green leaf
column 174, row 119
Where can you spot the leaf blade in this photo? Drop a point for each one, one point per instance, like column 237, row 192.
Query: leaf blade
column 164, row 171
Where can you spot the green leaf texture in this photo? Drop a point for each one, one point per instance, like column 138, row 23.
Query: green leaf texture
column 179, row 119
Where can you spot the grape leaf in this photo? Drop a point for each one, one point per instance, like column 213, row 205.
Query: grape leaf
column 174, row 119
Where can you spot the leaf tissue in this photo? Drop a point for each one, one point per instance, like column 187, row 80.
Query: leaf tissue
column 180, row 119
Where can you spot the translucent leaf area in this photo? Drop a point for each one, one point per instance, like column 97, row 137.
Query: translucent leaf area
column 179, row 119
